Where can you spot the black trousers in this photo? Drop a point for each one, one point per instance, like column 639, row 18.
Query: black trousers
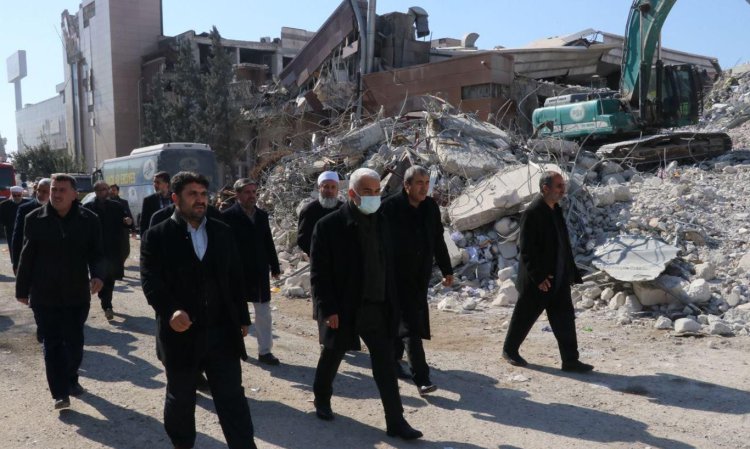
column 105, row 294
column 561, row 318
column 224, row 373
column 412, row 345
column 383, row 370
column 62, row 330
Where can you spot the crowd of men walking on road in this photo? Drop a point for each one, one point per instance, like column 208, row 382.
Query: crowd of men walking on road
column 370, row 268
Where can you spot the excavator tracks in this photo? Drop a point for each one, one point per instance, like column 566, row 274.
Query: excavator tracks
column 680, row 146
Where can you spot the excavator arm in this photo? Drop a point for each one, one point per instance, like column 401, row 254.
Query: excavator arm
column 641, row 38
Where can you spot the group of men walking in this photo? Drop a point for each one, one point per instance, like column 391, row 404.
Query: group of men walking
column 370, row 268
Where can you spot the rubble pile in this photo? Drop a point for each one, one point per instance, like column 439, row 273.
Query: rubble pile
column 728, row 107
column 668, row 248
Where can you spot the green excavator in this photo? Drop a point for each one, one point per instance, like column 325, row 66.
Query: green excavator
column 629, row 125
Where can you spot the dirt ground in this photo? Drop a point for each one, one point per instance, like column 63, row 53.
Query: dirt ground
column 650, row 389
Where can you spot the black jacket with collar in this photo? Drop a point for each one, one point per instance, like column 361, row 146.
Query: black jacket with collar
column 151, row 204
column 256, row 248
column 308, row 218
column 17, row 240
column 538, row 247
column 111, row 216
column 336, row 277
column 417, row 234
column 57, row 256
column 169, row 272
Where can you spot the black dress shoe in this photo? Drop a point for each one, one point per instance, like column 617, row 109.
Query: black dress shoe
column 402, row 429
column 577, row 367
column 268, row 359
column 426, row 389
column 514, row 359
column 76, row 389
column 323, row 412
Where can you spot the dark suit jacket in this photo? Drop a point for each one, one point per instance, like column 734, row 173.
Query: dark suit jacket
column 417, row 234
column 336, row 277
column 151, row 204
column 17, row 240
column 58, row 255
column 256, row 248
column 169, row 269
column 308, row 217
column 111, row 215
column 538, row 247
column 162, row 214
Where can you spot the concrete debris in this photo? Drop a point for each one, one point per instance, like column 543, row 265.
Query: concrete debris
column 663, row 323
column 686, row 325
column 628, row 258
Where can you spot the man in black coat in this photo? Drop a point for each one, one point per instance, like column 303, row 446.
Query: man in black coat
column 113, row 220
column 417, row 232
column 191, row 276
column 41, row 196
column 546, row 270
column 160, row 199
column 327, row 202
column 114, row 195
column 354, row 297
column 62, row 245
column 252, row 234
column 164, row 214
column 8, row 209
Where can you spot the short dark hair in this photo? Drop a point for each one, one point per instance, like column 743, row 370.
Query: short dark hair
column 162, row 176
column 65, row 177
column 114, row 186
column 546, row 179
column 244, row 182
column 183, row 178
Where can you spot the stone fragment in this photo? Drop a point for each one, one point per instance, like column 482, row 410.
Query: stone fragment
column 506, row 226
column 453, row 252
column 607, row 294
column 744, row 263
column 617, row 301
column 507, row 295
column 739, row 314
column 294, row 292
column 469, row 304
column 632, row 304
column 719, row 328
column 699, row 291
column 622, row 193
column 586, row 302
column 603, row 196
column 705, row 271
column 505, row 274
column 450, row 304
column 663, row 323
column 686, row 325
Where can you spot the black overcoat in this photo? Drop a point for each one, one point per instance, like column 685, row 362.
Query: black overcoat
column 257, row 250
column 17, row 240
column 57, row 256
column 151, row 204
column 417, row 240
column 336, row 277
column 538, row 248
column 169, row 270
column 111, row 216
column 8, row 209
column 308, row 218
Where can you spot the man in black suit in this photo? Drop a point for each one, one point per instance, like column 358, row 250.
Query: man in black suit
column 546, row 270
column 160, row 199
column 327, row 202
column 417, row 232
column 191, row 276
column 113, row 220
column 252, row 234
column 114, row 195
column 8, row 209
column 354, row 297
column 41, row 196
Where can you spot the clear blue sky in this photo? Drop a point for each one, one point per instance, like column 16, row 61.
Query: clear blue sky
column 715, row 28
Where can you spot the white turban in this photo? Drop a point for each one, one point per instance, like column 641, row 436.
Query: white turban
column 16, row 189
column 328, row 176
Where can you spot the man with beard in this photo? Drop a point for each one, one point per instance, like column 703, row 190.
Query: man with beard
column 252, row 235
column 546, row 270
column 8, row 209
column 160, row 199
column 61, row 246
column 41, row 196
column 190, row 271
column 353, row 297
column 417, row 232
column 113, row 220
column 327, row 202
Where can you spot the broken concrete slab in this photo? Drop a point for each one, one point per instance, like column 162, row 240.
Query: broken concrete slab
column 454, row 253
column 466, row 125
column 467, row 157
column 498, row 196
column 557, row 147
column 358, row 140
column 634, row 258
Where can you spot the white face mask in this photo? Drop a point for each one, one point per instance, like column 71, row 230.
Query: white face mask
column 369, row 204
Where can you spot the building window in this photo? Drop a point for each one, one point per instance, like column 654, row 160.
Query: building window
column 489, row 90
column 89, row 11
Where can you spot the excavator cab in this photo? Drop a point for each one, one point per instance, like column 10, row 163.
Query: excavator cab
column 675, row 96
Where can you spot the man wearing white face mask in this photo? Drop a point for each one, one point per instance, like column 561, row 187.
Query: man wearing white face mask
column 354, row 297
column 327, row 202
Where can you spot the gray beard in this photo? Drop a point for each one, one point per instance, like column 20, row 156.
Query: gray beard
column 327, row 203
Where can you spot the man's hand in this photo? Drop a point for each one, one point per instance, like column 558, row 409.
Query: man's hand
column 243, row 328
column 546, row 284
column 95, row 285
column 24, row 301
column 276, row 276
column 128, row 221
column 448, row 280
column 333, row 321
column 180, row 321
